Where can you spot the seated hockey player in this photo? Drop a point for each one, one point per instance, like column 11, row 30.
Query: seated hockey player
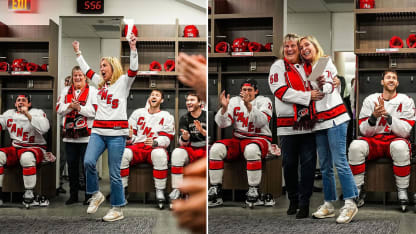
column 192, row 139
column 249, row 114
column 26, row 126
column 153, row 130
column 385, row 122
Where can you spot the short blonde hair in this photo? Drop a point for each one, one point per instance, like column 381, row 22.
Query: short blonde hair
column 289, row 37
column 115, row 66
column 318, row 48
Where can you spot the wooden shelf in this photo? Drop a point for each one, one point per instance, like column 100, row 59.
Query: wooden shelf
column 151, row 39
column 382, row 69
column 46, row 75
column 161, row 73
column 192, row 39
column 387, row 11
column 23, row 40
column 226, row 55
column 27, row 89
column 374, row 52
column 241, row 16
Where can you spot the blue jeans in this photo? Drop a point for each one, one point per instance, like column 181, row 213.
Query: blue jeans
column 299, row 148
column 331, row 150
column 96, row 146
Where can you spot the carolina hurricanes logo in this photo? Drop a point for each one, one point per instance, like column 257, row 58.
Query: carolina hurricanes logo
column 80, row 123
column 303, row 112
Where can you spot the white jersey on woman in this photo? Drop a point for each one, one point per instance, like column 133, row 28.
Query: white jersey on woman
column 111, row 116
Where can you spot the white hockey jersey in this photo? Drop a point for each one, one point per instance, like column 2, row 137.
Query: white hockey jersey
column 286, row 97
column 330, row 110
column 160, row 126
column 88, row 110
column 111, row 116
column 247, row 125
column 402, row 110
column 25, row 133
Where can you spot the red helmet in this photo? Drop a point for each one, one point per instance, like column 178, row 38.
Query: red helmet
column 4, row 67
column 254, row 46
column 44, row 67
column 365, row 4
column 240, row 44
column 19, row 65
column 155, row 66
column 222, row 47
column 396, row 42
column 411, row 41
column 33, row 67
column 268, row 46
column 134, row 30
column 169, row 65
column 190, row 31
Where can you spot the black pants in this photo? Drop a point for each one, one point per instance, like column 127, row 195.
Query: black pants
column 74, row 153
column 299, row 148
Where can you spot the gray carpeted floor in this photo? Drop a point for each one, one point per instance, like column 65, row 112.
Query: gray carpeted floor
column 273, row 224
column 55, row 224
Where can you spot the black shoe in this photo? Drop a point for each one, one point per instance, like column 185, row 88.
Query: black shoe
column 71, row 200
column 317, row 189
column 60, row 190
column 293, row 207
column 87, row 197
column 302, row 213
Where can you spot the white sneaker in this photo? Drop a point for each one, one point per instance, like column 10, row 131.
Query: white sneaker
column 113, row 214
column 95, row 202
column 348, row 211
column 324, row 211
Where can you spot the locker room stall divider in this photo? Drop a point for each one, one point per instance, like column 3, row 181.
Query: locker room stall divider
column 37, row 44
column 258, row 21
column 159, row 43
column 373, row 30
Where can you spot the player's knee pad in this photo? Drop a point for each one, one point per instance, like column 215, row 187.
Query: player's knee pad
column 399, row 151
column 159, row 158
column 252, row 152
column 357, row 152
column 179, row 157
column 127, row 157
column 218, row 152
column 27, row 159
column 3, row 158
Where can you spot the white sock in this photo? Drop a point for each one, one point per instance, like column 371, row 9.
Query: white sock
column 349, row 201
column 328, row 204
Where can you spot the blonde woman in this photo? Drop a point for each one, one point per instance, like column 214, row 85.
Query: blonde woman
column 331, row 135
column 110, row 127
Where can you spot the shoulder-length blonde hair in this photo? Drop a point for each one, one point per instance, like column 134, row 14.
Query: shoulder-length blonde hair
column 318, row 48
column 289, row 37
column 115, row 66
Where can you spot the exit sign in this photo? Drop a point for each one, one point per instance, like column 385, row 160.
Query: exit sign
column 19, row 5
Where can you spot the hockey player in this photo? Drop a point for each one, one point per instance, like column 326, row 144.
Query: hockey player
column 153, row 131
column 385, row 122
column 26, row 126
column 249, row 114
column 192, row 140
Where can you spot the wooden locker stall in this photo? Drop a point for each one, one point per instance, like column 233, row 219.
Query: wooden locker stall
column 159, row 43
column 37, row 44
column 373, row 30
column 258, row 21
